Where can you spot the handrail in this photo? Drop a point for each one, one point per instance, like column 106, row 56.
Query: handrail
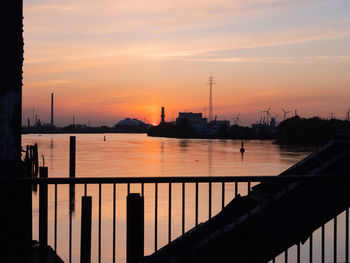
column 176, row 179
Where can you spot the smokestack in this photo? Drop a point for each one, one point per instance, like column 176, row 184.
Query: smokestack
column 51, row 109
column 163, row 115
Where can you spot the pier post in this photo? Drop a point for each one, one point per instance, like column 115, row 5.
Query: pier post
column 43, row 172
column 134, row 228
column 72, row 153
column 85, row 242
column 36, row 159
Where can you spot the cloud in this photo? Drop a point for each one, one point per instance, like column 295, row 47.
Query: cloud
column 275, row 60
column 109, row 16
column 189, row 49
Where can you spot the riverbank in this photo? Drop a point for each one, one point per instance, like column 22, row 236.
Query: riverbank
column 293, row 131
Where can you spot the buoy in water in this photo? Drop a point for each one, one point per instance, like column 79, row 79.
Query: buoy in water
column 104, row 138
column 242, row 150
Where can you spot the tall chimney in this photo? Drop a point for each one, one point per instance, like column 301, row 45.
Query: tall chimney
column 163, row 115
column 51, row 109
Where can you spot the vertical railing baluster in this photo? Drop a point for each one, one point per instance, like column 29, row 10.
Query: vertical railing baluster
column 347, row 235
column 128, row 188
column 273, row 260
column 155, row 217
column 335, row 240
column 248, row 190
column 322, row 245
column 85, row 189
column 286, row 256
column 236, row 189
column 142, row 189
column 114, row 213
column 222, row 195
column 210, row 193
column 196, row 205
column 55, row 221
column 70, row 229
column 298, row 253
column 310, row 248
column 183, row 207
column 169, row 215
column 99, row 222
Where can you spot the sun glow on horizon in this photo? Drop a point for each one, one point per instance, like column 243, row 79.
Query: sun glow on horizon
column 106, row 61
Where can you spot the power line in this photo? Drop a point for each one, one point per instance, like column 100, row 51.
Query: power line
column 211, row 83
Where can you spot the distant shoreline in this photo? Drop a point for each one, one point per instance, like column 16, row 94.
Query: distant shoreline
column 82, row 132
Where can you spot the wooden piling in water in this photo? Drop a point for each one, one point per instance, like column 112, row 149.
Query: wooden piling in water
column 134, row 228
column 36, row 160
column 72, row 153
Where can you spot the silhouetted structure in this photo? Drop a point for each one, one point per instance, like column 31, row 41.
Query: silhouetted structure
column 312, row 131
column 211, row 83
column 162, row 116
column 129, row 125
column 52, row 124
column 12, row 229
column 272, row 217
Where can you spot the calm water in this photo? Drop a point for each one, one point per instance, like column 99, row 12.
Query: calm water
column 136, row 155
column 139, row 155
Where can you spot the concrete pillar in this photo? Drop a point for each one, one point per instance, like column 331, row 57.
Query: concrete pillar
column 11, row 63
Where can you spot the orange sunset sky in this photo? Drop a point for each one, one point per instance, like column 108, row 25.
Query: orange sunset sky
column 106, row 60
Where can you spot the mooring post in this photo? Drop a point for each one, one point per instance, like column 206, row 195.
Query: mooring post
column 72, row 150
column 36, row 160
column 72, row 154
column 134, row 228
column 85, row 242
column 43, row 172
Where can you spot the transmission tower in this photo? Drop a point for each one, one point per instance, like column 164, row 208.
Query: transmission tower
column 211, row 83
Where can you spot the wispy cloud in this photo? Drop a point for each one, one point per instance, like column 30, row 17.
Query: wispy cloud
column 274, row 60
column 97, row 48
column 191, row 48
column 109, row 16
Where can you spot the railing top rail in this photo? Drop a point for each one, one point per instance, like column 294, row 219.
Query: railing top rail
column 178, row 179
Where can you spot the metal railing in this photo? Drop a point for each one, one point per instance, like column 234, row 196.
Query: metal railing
column 237, row 181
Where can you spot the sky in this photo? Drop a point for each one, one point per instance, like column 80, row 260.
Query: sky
column 106, row 60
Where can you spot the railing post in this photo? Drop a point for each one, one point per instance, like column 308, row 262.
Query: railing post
column 85, row 242
column 134, row 228
column 43, row 171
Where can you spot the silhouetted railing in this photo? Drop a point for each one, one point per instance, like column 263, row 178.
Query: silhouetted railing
column 170, row 181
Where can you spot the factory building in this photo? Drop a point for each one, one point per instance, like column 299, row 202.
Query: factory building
column 196, row 120
column 191, row 118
